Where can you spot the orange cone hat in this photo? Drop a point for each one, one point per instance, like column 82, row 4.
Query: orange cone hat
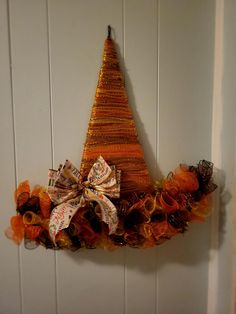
column 112, row 132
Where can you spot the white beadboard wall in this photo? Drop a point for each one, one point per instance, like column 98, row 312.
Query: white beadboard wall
column 51, row 52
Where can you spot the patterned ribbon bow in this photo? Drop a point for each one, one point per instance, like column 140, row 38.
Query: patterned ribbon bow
column 67, row 190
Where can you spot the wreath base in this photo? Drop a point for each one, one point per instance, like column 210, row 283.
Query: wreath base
column 144, row 219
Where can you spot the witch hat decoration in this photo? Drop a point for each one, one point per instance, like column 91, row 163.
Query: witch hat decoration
column 111, row 201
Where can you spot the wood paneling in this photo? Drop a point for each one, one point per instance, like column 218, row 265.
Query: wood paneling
column 51, row 52
column 10, row 262
column 31, row 101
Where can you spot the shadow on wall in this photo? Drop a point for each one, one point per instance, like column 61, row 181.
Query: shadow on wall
column 183, row 249
column 189, row 249
column 224, row 196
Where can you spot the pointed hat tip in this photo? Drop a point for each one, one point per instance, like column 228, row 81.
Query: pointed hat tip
column 109, row 32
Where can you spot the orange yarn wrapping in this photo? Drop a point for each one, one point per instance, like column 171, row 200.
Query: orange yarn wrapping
column 112, row 132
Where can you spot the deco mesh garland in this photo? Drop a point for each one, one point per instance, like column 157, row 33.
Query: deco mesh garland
column 111, row 201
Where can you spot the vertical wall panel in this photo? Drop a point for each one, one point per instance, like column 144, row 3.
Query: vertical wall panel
column 186, row 78
column 77, row 33
column 226, row 296
column 140, row 62
column 9, row 271
column 186, row 72
column 28, row 25
column 88, row 281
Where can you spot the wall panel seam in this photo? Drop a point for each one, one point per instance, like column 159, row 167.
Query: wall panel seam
column 216, row 155
column 157, row 127
column 50, row 83
column 52, row 136
column 14, row 145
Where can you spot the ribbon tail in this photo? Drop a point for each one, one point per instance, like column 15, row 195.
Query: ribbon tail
column 109, row 215
column 109, row 212
column 61, row 216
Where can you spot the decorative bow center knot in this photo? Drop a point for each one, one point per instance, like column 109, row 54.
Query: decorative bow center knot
column 67, row 190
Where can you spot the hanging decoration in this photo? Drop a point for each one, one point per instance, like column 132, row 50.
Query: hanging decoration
column 111, row 201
